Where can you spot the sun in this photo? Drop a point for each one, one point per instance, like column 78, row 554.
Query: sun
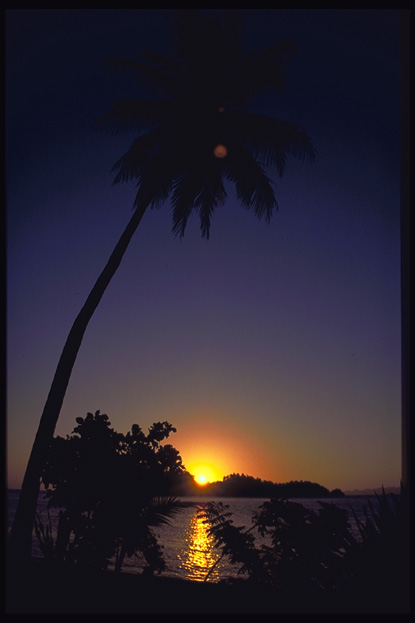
column 201, row 479
column 204, row 473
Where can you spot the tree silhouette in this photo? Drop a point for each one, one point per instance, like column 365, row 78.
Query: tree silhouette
column 240, row 485
column 300, row 547
column 193, row 137
column 111, row 490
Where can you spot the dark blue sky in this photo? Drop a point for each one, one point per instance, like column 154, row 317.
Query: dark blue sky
column 273, row 348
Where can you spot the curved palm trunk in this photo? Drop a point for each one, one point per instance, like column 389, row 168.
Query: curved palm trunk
column 120, row 558
column 21, row 534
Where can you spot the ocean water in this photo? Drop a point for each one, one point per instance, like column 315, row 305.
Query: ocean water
column 188, row 548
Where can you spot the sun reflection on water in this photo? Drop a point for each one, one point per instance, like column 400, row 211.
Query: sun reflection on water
column 198, row 555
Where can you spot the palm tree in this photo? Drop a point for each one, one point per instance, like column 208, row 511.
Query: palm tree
column 140, row 538
column 192, row 138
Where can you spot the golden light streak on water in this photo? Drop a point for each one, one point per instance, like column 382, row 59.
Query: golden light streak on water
column 198, row 555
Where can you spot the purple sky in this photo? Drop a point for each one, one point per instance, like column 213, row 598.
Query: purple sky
column 273, row 348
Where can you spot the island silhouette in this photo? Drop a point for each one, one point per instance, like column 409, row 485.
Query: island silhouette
column 241, row 485
column 111, row 492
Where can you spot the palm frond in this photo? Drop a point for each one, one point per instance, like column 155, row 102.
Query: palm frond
column 138, row 157
column 211, row 194
column 131, row 113
column 152, row 194
column 44, row 534
column 288, row 138
column 155, row 181
column 161, row 510
column 254, row 188
column 265, row 71
column 206, row 202
column 152, row 68
column 183, row 199
column 186, row 25
column 200, row 188
column 273, row 139
column 204, row 86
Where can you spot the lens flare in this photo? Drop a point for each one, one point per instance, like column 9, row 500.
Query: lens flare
column 220, row 151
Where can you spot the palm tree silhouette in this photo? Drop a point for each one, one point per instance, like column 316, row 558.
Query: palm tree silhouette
column 195, row 136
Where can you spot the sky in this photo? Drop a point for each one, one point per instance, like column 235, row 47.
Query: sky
column 273, row 348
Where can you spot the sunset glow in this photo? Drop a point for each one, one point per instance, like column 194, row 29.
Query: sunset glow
column 204, row 473
column 202, row 480
column 274, row 348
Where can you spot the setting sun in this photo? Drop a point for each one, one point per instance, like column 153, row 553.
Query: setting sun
column 204, row 473
column 201, row 480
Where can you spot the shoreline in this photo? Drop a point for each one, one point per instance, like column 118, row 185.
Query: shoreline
column 364, row 493
column 40, row 588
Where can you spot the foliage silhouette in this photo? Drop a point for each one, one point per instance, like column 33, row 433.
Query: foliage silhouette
column 111, row 490
column 201, row 96
column 383, row 554
column 300, row 549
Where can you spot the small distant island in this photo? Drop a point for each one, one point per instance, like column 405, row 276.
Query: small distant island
column 240, row 485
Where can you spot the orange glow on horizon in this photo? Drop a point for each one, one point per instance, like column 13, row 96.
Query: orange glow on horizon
column 204, row 473
column 202, row 480
column 212, row 445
